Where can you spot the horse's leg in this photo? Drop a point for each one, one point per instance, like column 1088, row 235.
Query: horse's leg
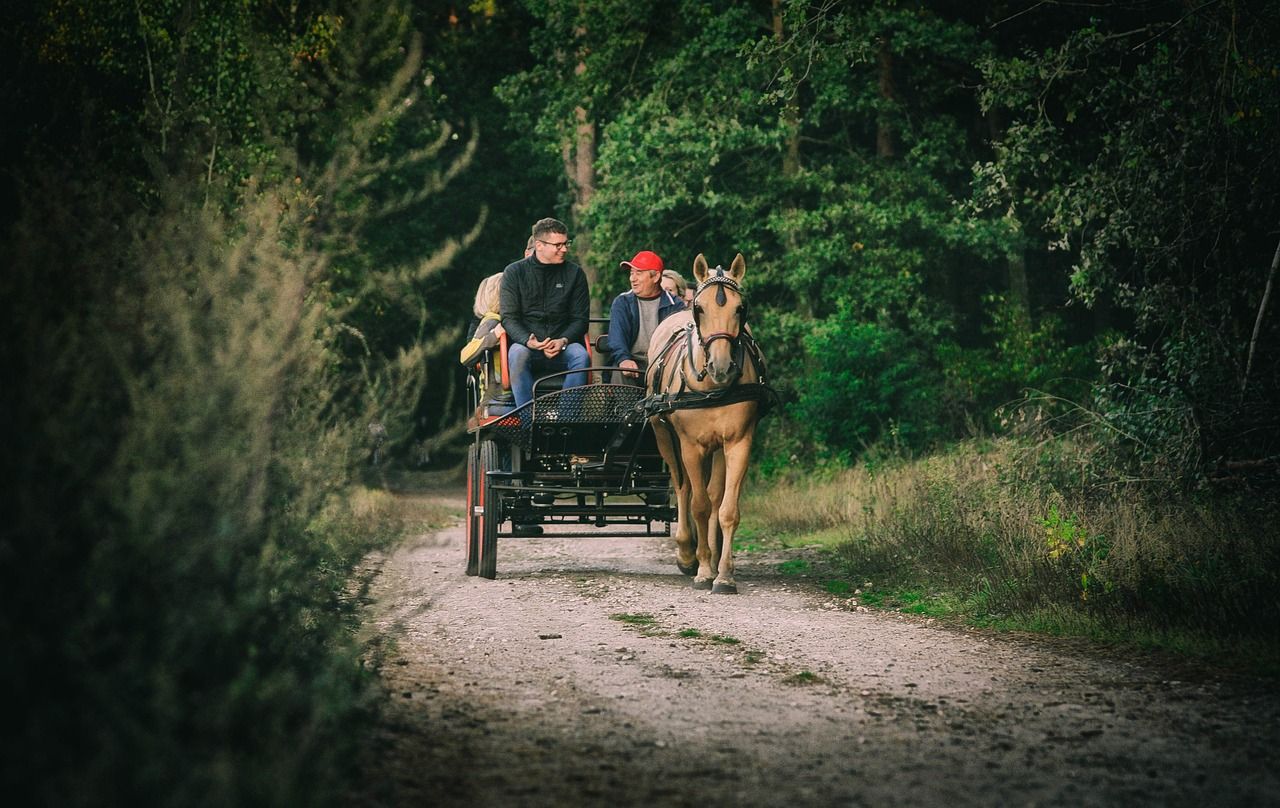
column 695, row 472
column 736, row 456
column 715, row 490
column 686, row 558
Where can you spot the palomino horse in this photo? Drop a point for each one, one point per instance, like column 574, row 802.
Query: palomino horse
column 707, row 388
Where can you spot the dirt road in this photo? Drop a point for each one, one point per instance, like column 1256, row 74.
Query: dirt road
column 590, row 673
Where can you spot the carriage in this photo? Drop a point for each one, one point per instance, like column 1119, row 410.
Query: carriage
column 571, row 462
column 585, row 456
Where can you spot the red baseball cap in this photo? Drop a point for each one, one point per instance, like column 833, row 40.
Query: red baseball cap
column 645, row 260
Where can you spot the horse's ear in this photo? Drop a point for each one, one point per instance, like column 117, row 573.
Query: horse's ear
column 700, row 269
column 738, row 268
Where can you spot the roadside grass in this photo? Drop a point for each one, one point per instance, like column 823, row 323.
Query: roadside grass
column 1007, row 536
column 401, row 514
column 750, row 656
column 839, row 588
column 698, row 634
column 753, row 537
column 634, row 618
column 804, row 678
column 794, row 566
column 642, row 622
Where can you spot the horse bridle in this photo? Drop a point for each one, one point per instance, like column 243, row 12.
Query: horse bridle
column 720, row 280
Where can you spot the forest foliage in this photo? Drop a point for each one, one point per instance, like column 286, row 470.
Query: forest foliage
column 236, row 234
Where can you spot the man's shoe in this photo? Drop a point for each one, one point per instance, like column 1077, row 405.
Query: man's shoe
column 526, row 530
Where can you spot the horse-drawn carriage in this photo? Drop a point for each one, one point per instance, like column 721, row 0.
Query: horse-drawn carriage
column 609, row 454
column 569, row 459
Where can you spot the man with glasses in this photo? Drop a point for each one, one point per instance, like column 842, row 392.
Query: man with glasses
column 635, row 315
column 545, row 310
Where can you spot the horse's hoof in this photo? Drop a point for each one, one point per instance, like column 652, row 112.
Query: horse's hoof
column 701, row 584
column 724, row 589
column 690, row 570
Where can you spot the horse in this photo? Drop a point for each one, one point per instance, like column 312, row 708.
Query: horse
column 707, row 391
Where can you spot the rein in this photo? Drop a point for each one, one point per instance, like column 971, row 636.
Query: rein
column 663, row 403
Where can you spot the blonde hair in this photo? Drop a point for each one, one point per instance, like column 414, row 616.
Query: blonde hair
column 487, row 295
column 681, row 285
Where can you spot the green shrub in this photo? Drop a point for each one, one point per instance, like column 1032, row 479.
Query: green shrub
column 187, row 412
column 185, row 555
column 1022, row 357
column 868, row 384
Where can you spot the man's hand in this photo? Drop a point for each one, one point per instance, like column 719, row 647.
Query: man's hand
column 630, row 367
column 535, row 344
column 552, row 347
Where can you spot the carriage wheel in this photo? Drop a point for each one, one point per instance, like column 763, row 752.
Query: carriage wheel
column 473, row 521
column 491, row 505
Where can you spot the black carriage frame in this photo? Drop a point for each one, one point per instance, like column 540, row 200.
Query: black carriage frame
column 569, row 459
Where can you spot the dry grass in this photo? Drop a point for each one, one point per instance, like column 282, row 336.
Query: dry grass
column 1003, row 531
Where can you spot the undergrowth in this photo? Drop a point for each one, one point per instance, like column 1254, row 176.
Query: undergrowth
column 1003, row 534
column 181, row 553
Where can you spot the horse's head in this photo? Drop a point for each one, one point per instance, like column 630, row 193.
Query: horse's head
column 719, row 315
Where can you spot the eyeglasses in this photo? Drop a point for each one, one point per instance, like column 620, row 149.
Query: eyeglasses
column 557, row 245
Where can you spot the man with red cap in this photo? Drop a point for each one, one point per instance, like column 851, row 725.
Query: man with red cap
column 635, row 315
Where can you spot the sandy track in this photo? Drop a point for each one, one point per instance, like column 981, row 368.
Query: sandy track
column 529, row 690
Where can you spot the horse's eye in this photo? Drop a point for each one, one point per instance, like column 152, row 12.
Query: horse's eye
column 697, row 309
column 740, row 311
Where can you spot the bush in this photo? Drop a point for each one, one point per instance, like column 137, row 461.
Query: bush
column 190, row 397
column 179, row 561
column 867, row 383
column 1023, row 357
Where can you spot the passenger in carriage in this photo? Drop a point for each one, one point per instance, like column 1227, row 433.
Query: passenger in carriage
column 545, row 310
column 486, row 332
column 675, row 283
column 635, row 315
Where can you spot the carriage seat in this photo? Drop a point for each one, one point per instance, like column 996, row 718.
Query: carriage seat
column 602, row 348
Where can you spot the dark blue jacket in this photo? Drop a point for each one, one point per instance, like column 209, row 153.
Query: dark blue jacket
column 624, row 321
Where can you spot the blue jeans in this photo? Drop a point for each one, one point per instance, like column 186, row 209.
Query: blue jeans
column 522, row 363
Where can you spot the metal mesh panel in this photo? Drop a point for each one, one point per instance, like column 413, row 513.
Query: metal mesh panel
column 594, row 404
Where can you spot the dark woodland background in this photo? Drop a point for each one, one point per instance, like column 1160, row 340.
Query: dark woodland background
column 235, row 234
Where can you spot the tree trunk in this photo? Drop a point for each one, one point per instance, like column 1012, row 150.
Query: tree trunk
column 1019, row 288
column 790, row 158
column 1257, row 323
column 580, row 166
column 791, row 112
column 584, row 188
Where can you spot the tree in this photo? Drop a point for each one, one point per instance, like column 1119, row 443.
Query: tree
column 1141, row 143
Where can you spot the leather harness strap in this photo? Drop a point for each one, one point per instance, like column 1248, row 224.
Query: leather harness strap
column 659, row 403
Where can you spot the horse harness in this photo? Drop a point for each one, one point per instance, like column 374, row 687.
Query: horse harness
column 745, row 349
